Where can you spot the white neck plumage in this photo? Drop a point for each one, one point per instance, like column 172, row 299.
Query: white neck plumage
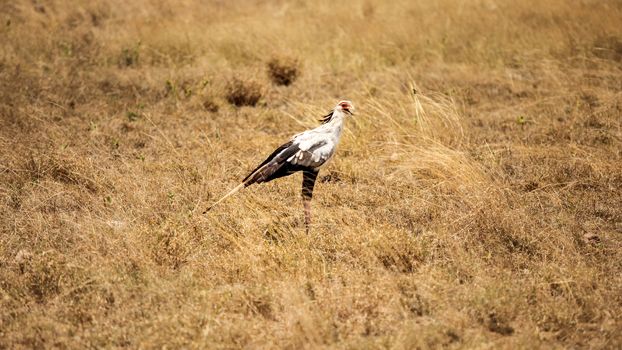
column 336, row 120
column 334, row 125
column 338, row 116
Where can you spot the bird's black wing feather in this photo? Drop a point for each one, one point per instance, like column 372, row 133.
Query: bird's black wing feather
column 272, row 164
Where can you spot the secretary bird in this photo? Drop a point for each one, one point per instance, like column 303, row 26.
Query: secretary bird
column 306, row 152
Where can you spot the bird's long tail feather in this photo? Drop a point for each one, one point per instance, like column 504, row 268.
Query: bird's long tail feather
column 232, row 192
column 257, row 176
column 263, row 172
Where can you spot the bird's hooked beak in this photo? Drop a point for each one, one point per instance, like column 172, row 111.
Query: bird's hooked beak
column 348, row 111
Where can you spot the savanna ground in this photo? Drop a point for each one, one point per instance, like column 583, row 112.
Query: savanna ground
column 482, row 211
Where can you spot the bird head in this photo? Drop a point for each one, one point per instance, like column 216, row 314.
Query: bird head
column 345, row 106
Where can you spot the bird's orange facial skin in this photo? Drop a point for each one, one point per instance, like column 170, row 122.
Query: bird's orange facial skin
column 346, row 106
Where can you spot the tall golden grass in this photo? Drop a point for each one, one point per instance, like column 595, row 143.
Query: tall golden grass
column 474, row 201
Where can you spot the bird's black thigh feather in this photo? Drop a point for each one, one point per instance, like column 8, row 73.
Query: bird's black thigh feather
column 308, row 182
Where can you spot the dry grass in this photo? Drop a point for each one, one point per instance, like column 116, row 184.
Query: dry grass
column 482, row 211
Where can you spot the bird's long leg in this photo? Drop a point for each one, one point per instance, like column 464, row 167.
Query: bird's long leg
column 306, row 202
column 308, row 181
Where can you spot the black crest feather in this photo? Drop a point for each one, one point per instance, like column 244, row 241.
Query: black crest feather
column 325, row 119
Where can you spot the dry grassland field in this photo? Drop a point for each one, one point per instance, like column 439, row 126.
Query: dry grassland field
column 475, row 200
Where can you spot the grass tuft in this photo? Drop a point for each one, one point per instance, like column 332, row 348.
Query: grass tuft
column 243, row 92
column 283, row 70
